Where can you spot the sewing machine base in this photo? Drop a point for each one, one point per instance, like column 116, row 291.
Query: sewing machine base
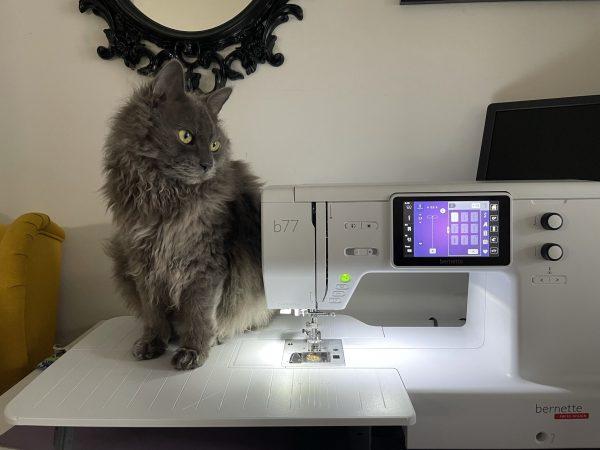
column 462, row 401
column 242, row 384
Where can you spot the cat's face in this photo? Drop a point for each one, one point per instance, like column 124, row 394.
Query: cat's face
column 190, row 144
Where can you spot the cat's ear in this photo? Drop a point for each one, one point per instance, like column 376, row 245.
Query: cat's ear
column 215, row 100
column 168, row 83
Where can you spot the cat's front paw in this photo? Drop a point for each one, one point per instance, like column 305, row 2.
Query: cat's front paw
column 188, row 358
column 148, row 349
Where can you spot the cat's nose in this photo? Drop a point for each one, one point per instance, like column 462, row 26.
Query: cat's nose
column 205, row 166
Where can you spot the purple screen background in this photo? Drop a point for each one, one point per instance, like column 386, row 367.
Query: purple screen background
column 451, row 228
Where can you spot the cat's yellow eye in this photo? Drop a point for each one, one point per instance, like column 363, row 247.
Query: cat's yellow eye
column 185, row 136
column 215, row 146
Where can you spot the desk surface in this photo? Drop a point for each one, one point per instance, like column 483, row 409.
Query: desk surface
column 98, row 383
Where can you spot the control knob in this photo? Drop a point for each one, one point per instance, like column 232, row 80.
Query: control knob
column 552, row 252
column 551, row 221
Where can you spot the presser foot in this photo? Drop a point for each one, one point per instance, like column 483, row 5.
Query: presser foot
column 300, row 352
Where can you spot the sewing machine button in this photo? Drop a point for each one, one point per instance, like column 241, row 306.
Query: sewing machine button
column 552, row 252
column 551, row 221
column 558, row 279
column 345, row 278
column 541, row 279
column 361, row 251
column 338, row 293
column 370, row 225
column 352, row 225
column 341, row 286
column 549, row 279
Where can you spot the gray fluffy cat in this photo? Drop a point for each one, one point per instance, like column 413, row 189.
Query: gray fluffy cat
column 186, row 249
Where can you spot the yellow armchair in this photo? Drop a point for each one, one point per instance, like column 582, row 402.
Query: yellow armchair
column 30, row 251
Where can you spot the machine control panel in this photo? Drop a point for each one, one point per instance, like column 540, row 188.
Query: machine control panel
column 469, row 230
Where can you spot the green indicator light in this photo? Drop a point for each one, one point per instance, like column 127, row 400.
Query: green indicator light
column 345, row 278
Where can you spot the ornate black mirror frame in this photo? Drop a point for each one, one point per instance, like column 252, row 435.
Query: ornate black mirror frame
column 250, row 32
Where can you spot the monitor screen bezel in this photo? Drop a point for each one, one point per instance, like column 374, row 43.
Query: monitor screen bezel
column 495, row 108
column 504, row 258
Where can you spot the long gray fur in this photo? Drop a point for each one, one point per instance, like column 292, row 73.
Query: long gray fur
column 186, row 250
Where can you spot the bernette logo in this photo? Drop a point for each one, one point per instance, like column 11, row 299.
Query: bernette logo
column 452, row 262
column 563, row 412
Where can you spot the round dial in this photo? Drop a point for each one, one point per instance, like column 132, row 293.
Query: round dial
column 552, row 221
column 552, row 252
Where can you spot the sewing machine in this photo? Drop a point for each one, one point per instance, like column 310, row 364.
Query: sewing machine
column 516, row 365
column 523, row 370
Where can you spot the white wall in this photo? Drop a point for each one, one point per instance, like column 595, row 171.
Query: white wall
column 370, row 91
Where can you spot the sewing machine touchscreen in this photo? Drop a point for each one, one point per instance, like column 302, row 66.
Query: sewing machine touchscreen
column 451, row 230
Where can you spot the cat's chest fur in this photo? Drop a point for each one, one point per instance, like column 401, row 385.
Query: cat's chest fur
column 173, row 251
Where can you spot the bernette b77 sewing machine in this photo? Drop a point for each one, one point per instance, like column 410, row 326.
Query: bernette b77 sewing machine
column 521, row 369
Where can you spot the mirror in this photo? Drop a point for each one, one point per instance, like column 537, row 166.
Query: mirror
column 198, row 14
column 207, row 36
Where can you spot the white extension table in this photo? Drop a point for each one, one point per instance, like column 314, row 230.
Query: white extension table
column 243, row 383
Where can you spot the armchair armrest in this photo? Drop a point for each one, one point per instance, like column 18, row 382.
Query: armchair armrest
column 29, row 270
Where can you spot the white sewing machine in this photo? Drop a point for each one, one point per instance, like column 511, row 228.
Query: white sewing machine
column 522, row 370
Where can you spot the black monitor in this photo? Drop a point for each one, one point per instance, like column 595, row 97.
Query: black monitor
column 549, row 139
